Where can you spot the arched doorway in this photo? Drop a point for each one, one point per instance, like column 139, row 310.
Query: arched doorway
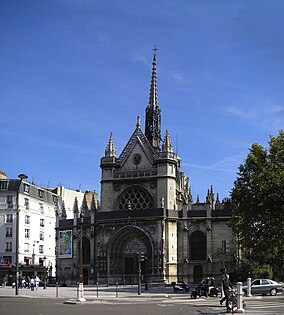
column 197, row 273
column 126, row 249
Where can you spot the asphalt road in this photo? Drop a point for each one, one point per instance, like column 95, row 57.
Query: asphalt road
column 126, row 306
column 124, row 301
column 24, row 306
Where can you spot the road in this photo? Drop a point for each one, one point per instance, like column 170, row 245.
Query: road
column 124, row 301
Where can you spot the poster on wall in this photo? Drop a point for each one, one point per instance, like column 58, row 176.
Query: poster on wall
column 65, row 244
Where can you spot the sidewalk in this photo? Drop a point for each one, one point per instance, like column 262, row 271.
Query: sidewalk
column 93, row 292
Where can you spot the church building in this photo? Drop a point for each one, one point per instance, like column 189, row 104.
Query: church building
column 146, row 222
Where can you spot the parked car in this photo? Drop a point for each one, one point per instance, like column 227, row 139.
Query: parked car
column 263, row 286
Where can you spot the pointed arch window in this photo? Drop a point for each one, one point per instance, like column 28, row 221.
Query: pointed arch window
column 135, row 198
column 86, row 250
column 197, row 246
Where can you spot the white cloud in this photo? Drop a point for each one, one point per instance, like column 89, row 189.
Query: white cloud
column 274, row 109
column 177, row 76
column 234, row 111
column 266, row 117
column 103, row 40
column 140, row 56
column 229, row 164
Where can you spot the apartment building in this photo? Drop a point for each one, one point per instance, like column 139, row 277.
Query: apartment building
column 36, row 209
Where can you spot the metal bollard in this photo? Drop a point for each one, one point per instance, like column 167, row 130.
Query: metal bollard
column 240, row 308
column 116, row 292
column 97, row 289
column 57, row 294
column 249, row 286
column 77, row 289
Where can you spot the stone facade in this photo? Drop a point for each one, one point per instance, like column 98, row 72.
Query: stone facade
column 147, row 219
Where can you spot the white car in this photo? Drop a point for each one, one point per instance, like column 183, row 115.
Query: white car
column 263, row 286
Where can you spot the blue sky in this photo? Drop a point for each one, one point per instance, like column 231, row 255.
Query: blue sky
column 73, row 71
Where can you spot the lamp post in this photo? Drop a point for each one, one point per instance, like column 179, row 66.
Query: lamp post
column 44, row 277
column 81, row 277
column 22, row 177
column 139, row 272
column 33, row 255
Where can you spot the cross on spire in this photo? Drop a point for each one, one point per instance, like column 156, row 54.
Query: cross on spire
column 155, row 50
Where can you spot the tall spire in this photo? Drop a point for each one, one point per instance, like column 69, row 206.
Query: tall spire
column 110, row 149
column 153, row 99
column 153, row 111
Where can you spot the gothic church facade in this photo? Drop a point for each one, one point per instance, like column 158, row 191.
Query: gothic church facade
column 146, row 219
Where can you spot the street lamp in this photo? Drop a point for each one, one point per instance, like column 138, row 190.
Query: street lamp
column 81, row 277
column 22, row 177
column 139, row 273
column 33, row 255
column 44, row 260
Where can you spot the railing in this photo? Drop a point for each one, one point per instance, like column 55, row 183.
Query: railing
column 135, row 173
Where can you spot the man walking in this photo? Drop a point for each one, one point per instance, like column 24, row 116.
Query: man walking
column 227, row 287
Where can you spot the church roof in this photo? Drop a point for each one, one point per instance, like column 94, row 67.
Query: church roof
column 137, row 136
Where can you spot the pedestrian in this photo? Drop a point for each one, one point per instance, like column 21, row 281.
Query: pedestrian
column 37, row 282
column 207, row 286
column 28, row 282
column 227, row 287
column 32, row 284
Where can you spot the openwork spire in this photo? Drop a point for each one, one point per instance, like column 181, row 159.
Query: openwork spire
column 153, row 99
column 153, row 111
column 110, row 149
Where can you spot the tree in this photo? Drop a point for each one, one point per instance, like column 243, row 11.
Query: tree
column 257, row 202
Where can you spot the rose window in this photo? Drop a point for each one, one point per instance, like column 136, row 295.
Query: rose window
column 135, row 198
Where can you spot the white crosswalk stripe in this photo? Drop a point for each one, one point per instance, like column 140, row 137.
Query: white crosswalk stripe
column 265, row 306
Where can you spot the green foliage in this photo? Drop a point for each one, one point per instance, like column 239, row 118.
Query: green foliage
column 257, row 202
column 244, row 271
column 264, row 271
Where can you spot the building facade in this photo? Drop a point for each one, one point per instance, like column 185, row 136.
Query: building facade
column 146, row 220
column 31, row 209
column 70, row 232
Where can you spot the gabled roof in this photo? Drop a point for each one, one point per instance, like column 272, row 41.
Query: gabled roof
column 137, row 137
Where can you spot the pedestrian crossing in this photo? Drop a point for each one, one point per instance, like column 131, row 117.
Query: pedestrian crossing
column 265, row 306
column 252, row 306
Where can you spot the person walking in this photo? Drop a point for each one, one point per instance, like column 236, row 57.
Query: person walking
column 28, row 282
column 32, row 284
column 37, row 282
column 227, row 287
